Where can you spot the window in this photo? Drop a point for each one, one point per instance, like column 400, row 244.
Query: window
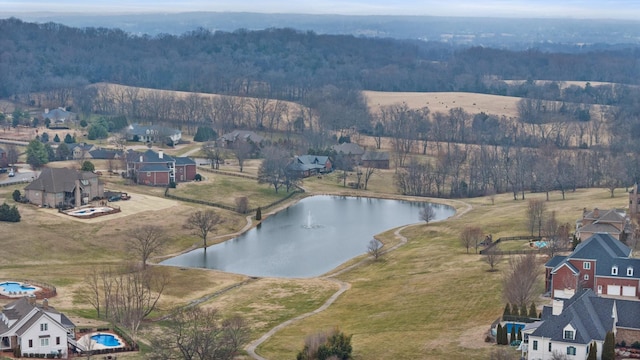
column 586, row 265
column 57, row 340
column 614, row 270
column 535, row 344
column 568, row 334
column 549, row 346
column 586, row 276
column 148, row 173
column 44, row 327
column 30, row 343
column 44, row 342
column 629, row 271
column 571, row 350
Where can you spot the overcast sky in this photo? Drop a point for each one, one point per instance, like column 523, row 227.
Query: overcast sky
column 616, row 9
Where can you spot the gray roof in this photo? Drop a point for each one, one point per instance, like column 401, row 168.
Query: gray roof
column 20, row 308
column 185, row 161
column 348, row 148
column 53, row 180
column 149, row 156
column 143, row 130
column 154, row 168
column 242, row 134
column 598, row 227
column 375, row 156
column 555, row 261
column 57, row 114
column 604, row 215
column 591, row 316
column 104, row 153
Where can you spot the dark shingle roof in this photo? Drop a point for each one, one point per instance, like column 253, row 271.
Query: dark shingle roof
column 53, row 180
column 154, row 168
column 104, row 154
column 348, row 148
column 375, row 156
column 555, row 261
column 184, row 161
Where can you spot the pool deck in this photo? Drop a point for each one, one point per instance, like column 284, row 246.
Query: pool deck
column 87, row 344
column 18, row 294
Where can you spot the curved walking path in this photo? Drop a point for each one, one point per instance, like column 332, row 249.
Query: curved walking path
column 344, row 286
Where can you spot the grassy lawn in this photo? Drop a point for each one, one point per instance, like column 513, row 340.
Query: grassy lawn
column 226, row 189
column 426, row 300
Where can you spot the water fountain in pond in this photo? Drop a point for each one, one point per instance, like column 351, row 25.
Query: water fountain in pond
column 309, row 224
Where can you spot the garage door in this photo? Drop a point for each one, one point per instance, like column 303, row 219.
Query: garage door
column 629, row 291
column 613, row 289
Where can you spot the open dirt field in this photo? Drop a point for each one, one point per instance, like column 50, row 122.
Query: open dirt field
column 444, row 101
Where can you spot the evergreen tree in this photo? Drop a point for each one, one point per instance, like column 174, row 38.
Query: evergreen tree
column 499, row 335
column 88, row 166
column 205, row 133
column 512, row 335
column 520, row 334
column 68, row 139
column 259, row 214
column 593, row 351
column 609, row 347
column 575, row 242
column 532, row 311
column 9, row 213
column 51, row 154
column 37, row 154
column 507, row 311
column 523, row 310
column 62, row 152
column 505, row 340
column 44, row 137
column 16, row 195
column 56, row 139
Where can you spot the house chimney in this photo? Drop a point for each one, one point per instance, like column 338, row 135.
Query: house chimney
column 141, row 158
column 557, row 307
column 160, row 154
column 32, row 299
column 46, row 110
column 596, row 213
column 45, row 304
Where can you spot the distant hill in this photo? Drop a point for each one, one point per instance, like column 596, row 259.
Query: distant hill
column 544, row 34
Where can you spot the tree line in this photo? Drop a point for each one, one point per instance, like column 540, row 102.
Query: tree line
column 283, row 63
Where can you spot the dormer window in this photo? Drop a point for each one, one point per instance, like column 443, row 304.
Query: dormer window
column 629, row 271
column 614, row 270
column 569, row 335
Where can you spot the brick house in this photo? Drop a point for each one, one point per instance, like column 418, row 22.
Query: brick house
column 63, row 187
column 159, row 169
column 612, row 222
column 601, row 263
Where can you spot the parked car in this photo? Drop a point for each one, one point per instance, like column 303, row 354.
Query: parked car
column 11, row 173
column 114, row 198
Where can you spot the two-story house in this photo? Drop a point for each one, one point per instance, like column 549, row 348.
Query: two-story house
column 34, row 328
column 601, row 263
column 62, row 187
column 573, row 325
column 159, row 169
column 612, row 221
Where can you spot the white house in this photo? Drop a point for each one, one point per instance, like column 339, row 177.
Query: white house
column 34, row 328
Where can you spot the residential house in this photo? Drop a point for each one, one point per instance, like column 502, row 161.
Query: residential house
column 351, row 150
column 159, row 169
column 105, row 154
column 613, row 222
column 153, row 133
column 309, row 165
column 35, row 328
column 601, row 263
column 57, row 116
column 375, row 159
column 574, row 324
column 4, row 162
column 80, row 151
column 63, row 187
column 227, row 140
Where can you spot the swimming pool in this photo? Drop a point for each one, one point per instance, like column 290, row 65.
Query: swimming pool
column 541, row 244
column 107, row 340
column 89, row 211
column 12, row 287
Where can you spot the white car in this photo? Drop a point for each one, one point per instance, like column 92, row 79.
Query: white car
column 11, row 173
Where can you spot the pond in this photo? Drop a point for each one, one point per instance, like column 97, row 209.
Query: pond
column 310, row 238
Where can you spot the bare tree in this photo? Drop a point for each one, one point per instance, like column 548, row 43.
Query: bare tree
column 521, row 279
column 427, row 213
column 242, row 151
column 369, row 171
column 213, row 153
column 203, row 222
column 375, row 248
column 196, row 333
column 470, row 236
column 12, row 154
column 242, row 204
column 135, row 295
column 93, row 295
column 535, row 215
column 147, row 240
column 274, row 167
column 493, row 257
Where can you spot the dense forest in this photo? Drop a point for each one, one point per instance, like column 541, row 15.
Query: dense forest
column 280, row 63
column 273, row 80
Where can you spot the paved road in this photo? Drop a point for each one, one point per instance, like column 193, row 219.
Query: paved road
column 22, row 174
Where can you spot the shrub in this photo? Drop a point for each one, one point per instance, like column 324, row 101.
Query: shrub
column 9, row 213
column 197, row 177
column 16, row 195
column 205, row 133
column 172, row 184
column 258, row 213
column 88, row 166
